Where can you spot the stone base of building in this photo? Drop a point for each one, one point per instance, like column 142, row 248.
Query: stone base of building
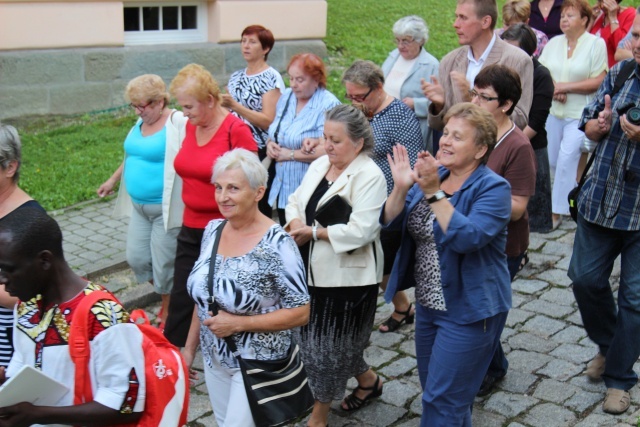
column 80, row 80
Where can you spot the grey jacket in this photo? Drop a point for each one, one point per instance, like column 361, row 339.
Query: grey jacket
column 425, row 67
column 501, row 53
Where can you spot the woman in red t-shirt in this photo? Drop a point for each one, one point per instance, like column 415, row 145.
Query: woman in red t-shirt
column 612, row 24
column 211, row 131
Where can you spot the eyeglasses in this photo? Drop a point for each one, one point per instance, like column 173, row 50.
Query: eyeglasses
column 140, row 108
column 358, row 98
column 484, row 98
column 403, row 42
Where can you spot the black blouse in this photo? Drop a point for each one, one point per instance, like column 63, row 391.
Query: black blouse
column 550, row 26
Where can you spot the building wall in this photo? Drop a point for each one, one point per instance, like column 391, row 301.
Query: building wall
column 69, row 56
column 68, row 81
column 74, row 23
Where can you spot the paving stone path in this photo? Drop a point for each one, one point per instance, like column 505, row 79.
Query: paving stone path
column 544, row 340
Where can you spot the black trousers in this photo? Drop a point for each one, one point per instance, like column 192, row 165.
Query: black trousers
column 181, row 305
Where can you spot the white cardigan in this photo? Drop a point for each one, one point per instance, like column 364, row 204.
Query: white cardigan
column 363, row 186
column 172, row 205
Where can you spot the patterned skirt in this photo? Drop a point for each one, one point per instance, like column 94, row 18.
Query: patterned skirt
column 334, row 340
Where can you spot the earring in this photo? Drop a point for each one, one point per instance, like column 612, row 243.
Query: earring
column 504, row 111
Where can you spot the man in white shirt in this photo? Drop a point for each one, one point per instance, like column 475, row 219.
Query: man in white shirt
column 474, row 24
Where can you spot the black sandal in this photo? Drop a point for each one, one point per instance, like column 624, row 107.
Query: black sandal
column 354, row 402
column 393, row 324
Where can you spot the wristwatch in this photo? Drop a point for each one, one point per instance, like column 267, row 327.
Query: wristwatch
column 438, row 195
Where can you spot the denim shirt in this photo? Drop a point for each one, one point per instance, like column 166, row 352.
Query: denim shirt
column 475, row 278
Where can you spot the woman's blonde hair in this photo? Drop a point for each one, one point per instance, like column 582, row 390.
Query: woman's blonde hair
column 196, row 81
column 481, row 120
column 516, row 11
column 146, row 88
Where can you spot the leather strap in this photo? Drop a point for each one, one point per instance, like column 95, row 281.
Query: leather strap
column 213, row 305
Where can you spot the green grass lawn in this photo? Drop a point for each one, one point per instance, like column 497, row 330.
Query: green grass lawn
column 66, row 158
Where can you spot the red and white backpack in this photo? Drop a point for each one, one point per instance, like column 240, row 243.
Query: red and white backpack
column 166, row 373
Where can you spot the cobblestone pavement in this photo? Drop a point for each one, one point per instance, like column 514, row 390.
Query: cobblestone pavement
column 545, row 343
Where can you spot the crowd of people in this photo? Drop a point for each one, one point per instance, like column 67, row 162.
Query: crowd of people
column 287, row 210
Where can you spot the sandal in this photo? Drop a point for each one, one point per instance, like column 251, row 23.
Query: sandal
column 393, row 324
column 525, row 261
column 354, row 403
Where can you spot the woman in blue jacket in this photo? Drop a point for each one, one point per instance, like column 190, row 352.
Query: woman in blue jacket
column 453, row 220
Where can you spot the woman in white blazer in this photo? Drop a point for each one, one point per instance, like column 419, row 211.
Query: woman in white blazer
column 407, row 65
column 343, row 258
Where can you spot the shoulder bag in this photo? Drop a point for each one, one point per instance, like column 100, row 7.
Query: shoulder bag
column 277, row 390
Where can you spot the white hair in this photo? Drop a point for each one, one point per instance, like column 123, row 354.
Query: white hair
column 413, row 26
column 240, row 158
column 10, row 149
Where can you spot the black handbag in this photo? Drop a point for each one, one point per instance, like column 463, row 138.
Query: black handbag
column 572, row 197
column 335, row 211
column 277, row 390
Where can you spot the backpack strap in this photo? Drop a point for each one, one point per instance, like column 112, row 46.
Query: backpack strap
column 625, row 72
column 79, row 347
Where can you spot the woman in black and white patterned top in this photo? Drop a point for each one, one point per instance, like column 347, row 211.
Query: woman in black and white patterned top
column 252, row 93
column 259, row 285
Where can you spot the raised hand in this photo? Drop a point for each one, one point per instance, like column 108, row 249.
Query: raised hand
column 400, row 167
column 461, row 83
column 434, row 92
column 604, row 117
column 425, row 173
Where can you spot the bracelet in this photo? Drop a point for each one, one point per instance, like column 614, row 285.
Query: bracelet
column 291, row 156
column 314, row 233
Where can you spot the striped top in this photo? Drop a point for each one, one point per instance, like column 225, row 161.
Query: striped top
column 308, row 123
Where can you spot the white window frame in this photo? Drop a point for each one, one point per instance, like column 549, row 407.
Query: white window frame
column 132, row 38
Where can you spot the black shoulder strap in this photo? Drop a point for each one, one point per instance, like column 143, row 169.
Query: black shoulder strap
column 624, row 74
column 286, row 107
column 213, row 305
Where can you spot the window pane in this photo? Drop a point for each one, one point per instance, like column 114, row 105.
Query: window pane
column 170, row 18
column 189, row 17
column 150, row 18
column 131, row 19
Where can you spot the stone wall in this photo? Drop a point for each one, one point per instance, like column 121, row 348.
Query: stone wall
column 68, row 81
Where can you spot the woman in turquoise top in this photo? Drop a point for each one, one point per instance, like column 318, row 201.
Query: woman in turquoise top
column 150, row 184
column 299, row 117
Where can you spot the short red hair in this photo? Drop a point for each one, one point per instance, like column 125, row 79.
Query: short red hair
column 265, row 36
column 312, row 65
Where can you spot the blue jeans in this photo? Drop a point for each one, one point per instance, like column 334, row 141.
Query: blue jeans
column 452, row 360
column 615, row 329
